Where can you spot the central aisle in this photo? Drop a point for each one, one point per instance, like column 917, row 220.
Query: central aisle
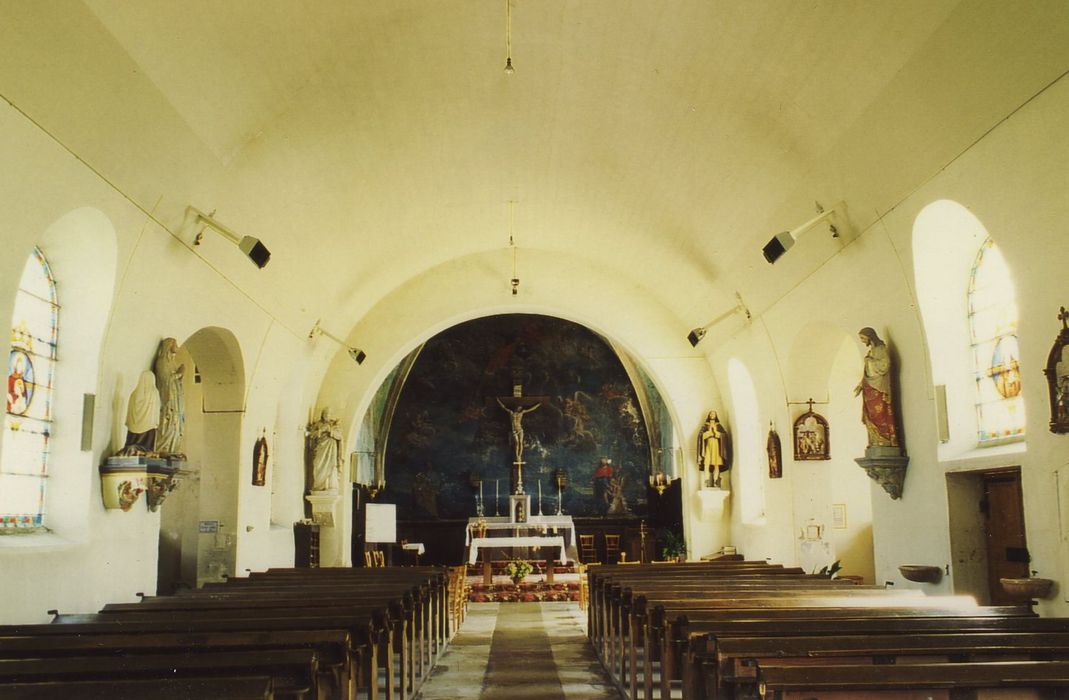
column 512, row 651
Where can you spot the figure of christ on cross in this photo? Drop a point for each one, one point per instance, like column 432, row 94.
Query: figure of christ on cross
column 517, row 406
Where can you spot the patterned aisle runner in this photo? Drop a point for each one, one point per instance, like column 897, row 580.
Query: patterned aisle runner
column 516, row 651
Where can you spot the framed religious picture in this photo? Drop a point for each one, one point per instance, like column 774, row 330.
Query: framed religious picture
column 812, row 439
column 775, row 454
column 1057, row 371
column 259, row 461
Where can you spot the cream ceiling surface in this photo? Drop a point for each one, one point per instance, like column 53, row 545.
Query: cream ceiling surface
column 369, row 142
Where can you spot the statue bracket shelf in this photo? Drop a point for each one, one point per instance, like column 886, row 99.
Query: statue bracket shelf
column 712, row 503
column 887, row 467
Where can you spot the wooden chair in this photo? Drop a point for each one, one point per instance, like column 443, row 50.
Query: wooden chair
column 587, row 553
column 584, row 590
column 612, row 549
column 458, row 595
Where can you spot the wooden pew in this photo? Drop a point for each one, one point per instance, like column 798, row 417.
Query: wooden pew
column 938, row 681
column 232, row 688
column 427, row 621
column 619, row 625
column 703, row 647
column 270, row 600
column 429, row 597
column 339, row 661
column 693, row 636
column 624, row 621
column 608, row 589
column 611, row 596
column 626, row 635
column 375, row 631
column 342, row 618
column 613, row 629
column 294, row 672
column 429, row 586
column 733, row 670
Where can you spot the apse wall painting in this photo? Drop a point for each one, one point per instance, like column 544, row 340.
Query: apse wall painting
column 456, row 416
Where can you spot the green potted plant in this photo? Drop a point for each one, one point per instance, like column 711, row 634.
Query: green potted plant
column 517, row 570
column 829, row 571
column 673, row 546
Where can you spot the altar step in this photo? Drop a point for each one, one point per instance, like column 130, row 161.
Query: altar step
column 528, row 591
column 498, row 568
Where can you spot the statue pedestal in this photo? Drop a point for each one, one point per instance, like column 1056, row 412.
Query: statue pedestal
column 887, row 467
column 324, row 507
column 325, row 514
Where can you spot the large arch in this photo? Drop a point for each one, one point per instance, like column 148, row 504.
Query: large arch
column 574, row 289
column 210, row 485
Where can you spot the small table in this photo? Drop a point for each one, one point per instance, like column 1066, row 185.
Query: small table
column 488, row 543
column 416, row 547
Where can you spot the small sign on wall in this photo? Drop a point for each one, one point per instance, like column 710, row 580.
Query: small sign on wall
column 208, row 527
column 838, row 516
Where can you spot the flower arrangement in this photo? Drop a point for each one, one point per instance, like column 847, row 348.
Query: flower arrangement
column 517, row 569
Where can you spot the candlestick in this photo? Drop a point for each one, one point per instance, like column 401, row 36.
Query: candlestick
column 540, row 499
column 497, row 496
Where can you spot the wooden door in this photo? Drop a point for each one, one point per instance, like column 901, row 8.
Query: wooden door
column 1007, row 547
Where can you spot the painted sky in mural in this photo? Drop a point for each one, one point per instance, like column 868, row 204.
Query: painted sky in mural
column 448, row 424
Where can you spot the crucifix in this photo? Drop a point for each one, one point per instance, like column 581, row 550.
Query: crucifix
column 517, row 407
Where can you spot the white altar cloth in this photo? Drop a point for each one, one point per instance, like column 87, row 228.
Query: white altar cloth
column 535, row 522
column 478, row 543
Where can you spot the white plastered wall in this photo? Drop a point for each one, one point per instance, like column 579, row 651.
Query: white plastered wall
column 1014, row 180
column 160, row 289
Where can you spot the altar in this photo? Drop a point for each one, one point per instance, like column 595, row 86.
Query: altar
column 554, row 533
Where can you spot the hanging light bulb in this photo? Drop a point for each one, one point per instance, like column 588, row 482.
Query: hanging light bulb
column 509, row 70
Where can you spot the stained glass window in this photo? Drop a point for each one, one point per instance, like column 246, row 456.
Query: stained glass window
column 996, row 356
column 28, row 418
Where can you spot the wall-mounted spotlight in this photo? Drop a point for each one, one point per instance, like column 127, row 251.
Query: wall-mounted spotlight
column 696, row 335
column 252, row 247
column 782, row 242
column 357, row 354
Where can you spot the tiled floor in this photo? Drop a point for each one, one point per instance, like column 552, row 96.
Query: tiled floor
column 520, row 651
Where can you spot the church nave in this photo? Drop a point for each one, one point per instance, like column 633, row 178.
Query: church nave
column 520, row 650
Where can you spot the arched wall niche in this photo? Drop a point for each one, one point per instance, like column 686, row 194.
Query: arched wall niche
column 214, row 390
column 575, row 289
column 946, row 239
column 81, row 249
column 824, row 364
column 222, row 368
